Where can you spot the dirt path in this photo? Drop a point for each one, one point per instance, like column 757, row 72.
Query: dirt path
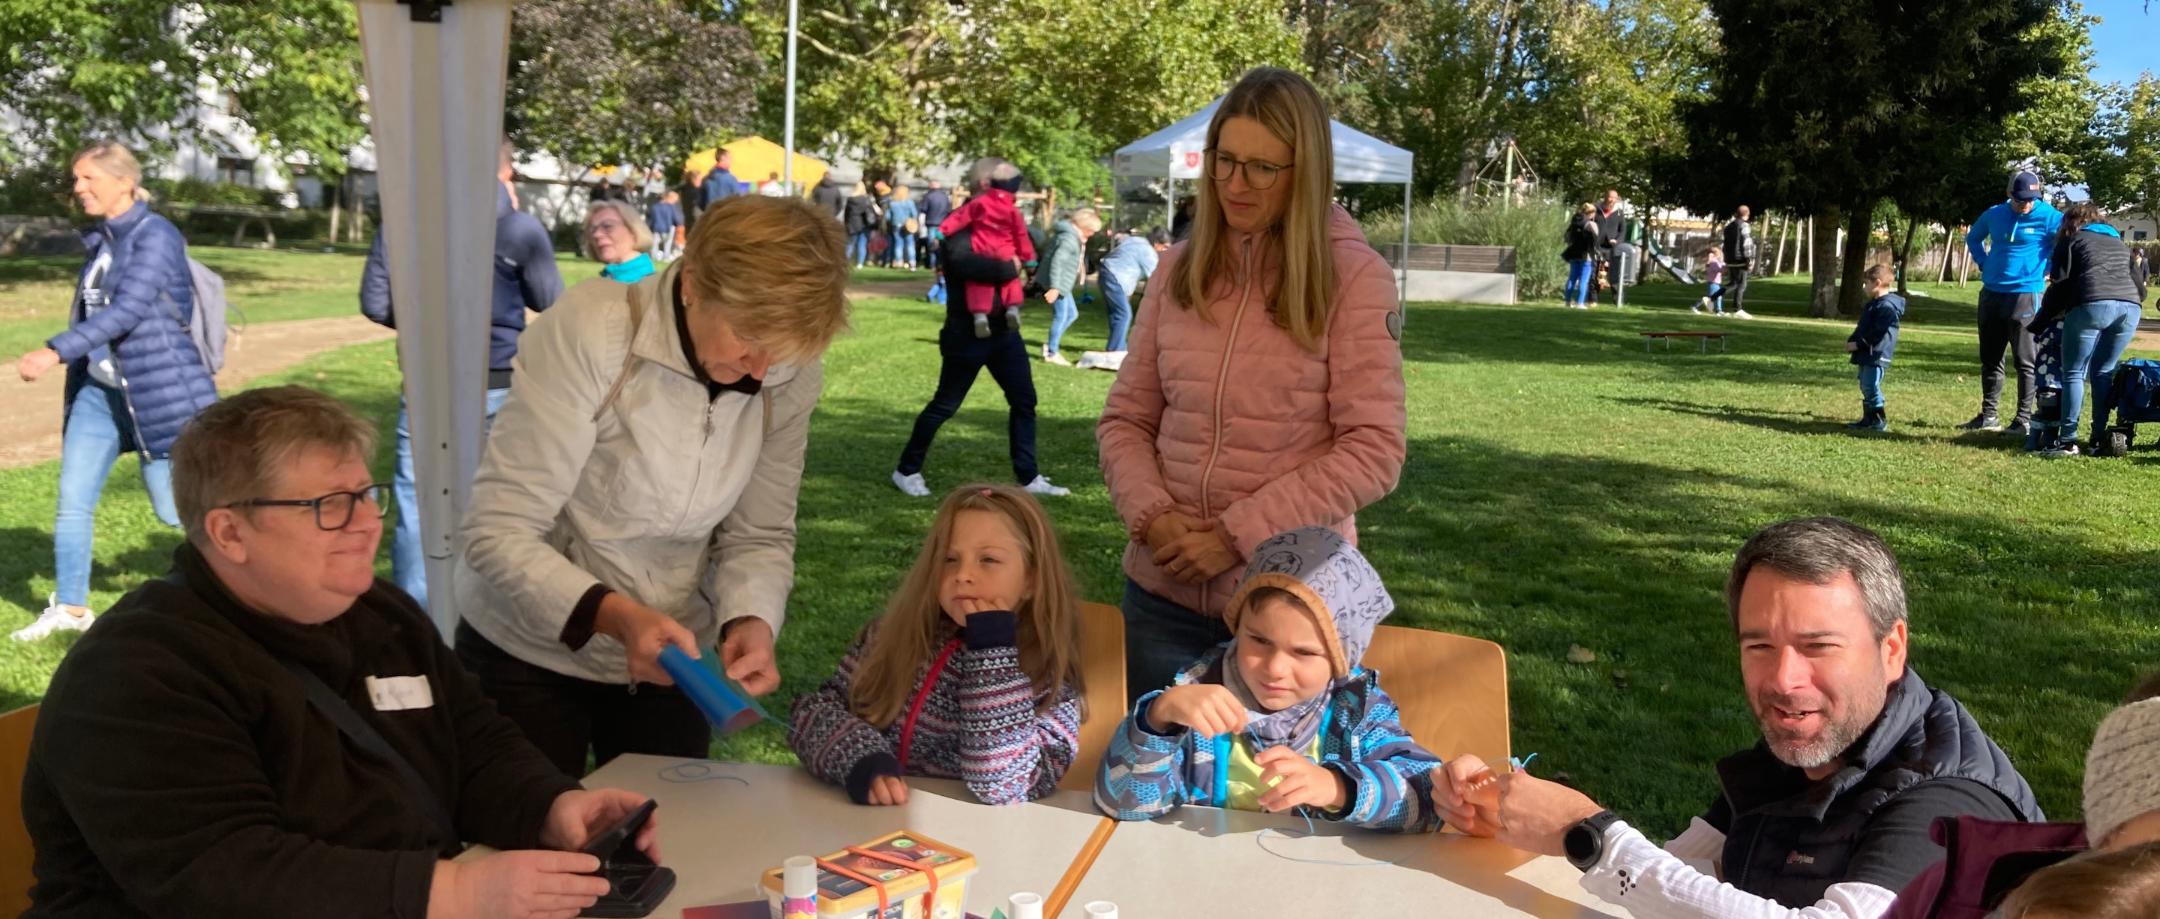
column 30, row 412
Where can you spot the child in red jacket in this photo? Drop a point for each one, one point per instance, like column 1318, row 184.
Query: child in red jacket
column 998, row 231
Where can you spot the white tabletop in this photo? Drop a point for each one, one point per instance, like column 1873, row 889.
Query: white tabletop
column 719, row 835
column 1202, row 861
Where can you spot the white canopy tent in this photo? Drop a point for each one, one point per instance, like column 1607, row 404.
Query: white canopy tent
column 1178, row 152
column 435, row 74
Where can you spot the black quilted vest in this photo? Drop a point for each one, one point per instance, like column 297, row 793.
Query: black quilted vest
column 1789, row 839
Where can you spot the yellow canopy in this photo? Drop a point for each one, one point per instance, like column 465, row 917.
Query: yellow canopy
column 757, row 159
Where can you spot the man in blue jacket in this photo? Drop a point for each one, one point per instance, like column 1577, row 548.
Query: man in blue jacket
column 2020, row 236
column 525, row 279
column 936, row 206
column 719, row 183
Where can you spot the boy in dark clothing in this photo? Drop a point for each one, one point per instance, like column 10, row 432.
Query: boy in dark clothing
column 1872, row 343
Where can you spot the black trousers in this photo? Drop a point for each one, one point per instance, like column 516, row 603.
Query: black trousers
column 1736, row 286
column 963, row 358
column 564, row 715
column 2002, row 326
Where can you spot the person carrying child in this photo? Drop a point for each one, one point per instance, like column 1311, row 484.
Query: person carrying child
column 1714, row 276
column 972, row 673
column 1281, row 716
column 1872, row 342
column 999, row 233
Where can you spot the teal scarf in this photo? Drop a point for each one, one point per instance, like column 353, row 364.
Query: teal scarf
column 629, row 272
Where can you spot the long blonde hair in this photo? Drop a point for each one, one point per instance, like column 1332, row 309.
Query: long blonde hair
column 902, row 640
column 1291, row 109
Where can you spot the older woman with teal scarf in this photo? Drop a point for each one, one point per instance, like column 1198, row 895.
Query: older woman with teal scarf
column 620, row 240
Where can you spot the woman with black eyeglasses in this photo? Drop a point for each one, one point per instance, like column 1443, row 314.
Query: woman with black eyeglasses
column 1264, row 392
column 271, row 730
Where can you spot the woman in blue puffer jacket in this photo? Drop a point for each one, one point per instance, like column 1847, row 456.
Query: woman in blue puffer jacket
column 134, row 377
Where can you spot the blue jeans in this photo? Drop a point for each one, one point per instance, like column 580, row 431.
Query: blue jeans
column 408, row 563
column 1162, row 638
column 87, row 453
column 1871, row 385
column 1716, row 294
column 2094, row 337
column 859, row 248
column 903, row 248
column 1581, row 273
column 1119, row 304
column 1062, row 315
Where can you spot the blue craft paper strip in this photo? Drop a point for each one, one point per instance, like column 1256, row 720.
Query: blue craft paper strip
column 725, row 703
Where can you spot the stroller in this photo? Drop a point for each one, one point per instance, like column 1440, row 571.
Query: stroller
column 2136, row 398
column 2047, row 420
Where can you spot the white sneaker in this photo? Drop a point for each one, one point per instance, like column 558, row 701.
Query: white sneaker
column 913, row 484
column 1741, row 314
column 56, row 618
column 1042, row 486
column 1698, row 305
column 1053, row 357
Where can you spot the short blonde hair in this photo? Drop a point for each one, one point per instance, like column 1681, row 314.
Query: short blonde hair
column 1087, row 218
column 900, row 193
column 776, row 268
column 240, row 446
column 1879, row 273
column 629, row 216
column 114, row 160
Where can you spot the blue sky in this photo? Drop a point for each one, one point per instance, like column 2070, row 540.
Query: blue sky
column 2127, row 42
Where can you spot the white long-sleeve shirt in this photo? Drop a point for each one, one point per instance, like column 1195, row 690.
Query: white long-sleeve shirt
column 1680, row 881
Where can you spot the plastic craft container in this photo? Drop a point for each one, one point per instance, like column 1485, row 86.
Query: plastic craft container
column 922, row 879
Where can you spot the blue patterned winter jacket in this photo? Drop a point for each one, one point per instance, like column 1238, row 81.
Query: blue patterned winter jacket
column 1146, row 775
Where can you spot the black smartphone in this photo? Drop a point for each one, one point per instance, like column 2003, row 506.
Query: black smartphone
column 635, row 885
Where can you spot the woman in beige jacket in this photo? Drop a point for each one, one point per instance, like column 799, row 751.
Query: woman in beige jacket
column 639, row 486
column 1263, row 391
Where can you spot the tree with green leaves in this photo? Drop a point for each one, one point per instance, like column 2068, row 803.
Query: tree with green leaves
column 604, row 83
column 2130, row 178
column 136, row 70
column 1056, row 90
column 1824, row 108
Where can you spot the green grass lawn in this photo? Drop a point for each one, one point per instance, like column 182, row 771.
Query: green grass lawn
column 1564, row 488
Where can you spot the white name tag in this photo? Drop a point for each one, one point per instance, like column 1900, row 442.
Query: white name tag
column 399, row 693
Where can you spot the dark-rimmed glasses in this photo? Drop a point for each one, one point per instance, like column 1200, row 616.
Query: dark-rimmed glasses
column 1260, row 174
column 335, row 510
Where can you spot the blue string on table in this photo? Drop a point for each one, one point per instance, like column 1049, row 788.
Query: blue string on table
column 1519, row 762
column 695, row 770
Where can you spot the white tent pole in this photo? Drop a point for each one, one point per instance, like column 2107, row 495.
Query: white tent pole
column 1402, row 287
column 787, row 160
column 435, row 76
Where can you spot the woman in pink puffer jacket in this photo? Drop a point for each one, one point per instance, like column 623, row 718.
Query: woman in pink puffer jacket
column 1262, row 389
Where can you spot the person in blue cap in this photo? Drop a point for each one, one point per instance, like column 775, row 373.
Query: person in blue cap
column 2011, row 243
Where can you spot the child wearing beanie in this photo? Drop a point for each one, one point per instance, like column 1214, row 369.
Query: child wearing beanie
column 2122, row 776
column 1282, row 716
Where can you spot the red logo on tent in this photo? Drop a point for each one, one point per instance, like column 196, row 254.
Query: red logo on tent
column 1192, row 159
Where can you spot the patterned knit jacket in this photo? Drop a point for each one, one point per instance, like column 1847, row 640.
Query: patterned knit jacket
column 979, row 723
column 1145, row 775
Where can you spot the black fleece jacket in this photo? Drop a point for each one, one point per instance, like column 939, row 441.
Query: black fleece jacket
column 178, row 769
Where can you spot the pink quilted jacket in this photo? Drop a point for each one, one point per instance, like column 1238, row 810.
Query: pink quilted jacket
column 1232, row 421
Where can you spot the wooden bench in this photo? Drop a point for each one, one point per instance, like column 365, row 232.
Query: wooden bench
column 1702, row 338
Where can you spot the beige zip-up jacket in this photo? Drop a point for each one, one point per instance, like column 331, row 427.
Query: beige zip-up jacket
column 681, row 502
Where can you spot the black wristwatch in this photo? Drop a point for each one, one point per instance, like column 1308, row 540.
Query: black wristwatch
column 1585, row 841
